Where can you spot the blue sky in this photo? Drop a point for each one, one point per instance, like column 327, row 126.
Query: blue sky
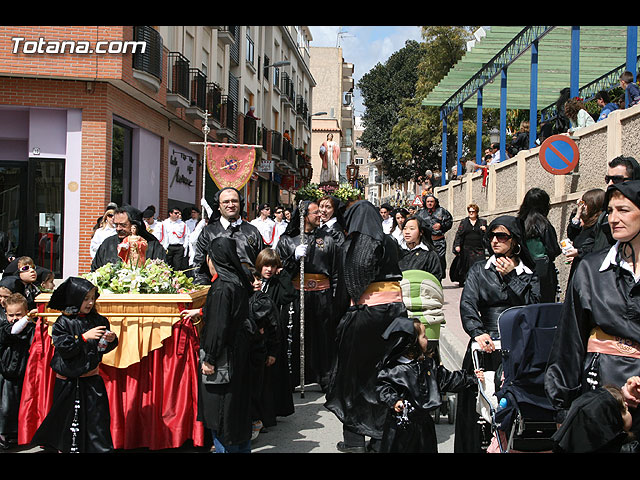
column 364, row 46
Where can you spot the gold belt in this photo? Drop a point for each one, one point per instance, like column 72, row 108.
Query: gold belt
column 379, row 293
column 602, row 342
column 91, row 373
column 312, row 282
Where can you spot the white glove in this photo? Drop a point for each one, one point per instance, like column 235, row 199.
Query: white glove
column 301, row 251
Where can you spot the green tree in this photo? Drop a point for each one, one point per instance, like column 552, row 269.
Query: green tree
column 416, row 139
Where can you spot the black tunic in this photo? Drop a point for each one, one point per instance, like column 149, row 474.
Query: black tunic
column 108, row 251
column 607, row 299
column 485, row 296
column 72, row 358
column 320, row 316
column 470, row 239
column 248, row 239
column 421, row 383
column 351, row 395
column 421, row 259
column 584, row 240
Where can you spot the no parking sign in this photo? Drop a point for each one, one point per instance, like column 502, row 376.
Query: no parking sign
column 559, row 154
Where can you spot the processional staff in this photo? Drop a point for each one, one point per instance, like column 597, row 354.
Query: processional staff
column 302, row 242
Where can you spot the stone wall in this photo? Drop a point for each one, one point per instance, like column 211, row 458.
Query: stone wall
column 508, row 181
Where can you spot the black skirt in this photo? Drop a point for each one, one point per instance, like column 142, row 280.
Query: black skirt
column 93, row 418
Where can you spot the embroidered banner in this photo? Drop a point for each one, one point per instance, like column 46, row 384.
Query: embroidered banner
column 230, row 165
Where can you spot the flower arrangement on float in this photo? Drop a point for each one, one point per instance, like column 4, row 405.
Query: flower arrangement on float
column 152, row 277
column 347, row 192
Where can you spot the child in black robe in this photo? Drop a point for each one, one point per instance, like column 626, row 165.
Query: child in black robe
column 79, row 418
column 410, row 383
column 16, row 333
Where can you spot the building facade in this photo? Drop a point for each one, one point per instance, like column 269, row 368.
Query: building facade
column 333, row 107
column 80, row 128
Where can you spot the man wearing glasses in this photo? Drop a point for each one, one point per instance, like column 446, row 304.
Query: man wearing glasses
column 619, row 169
column 281, row 225
column 263, row 223
column 124, row 218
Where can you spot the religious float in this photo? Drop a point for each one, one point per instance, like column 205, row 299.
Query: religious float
column 152, row 376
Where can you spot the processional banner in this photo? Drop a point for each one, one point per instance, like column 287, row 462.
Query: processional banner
column 230, row 165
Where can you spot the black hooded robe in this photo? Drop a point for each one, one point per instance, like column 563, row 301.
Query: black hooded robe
column 420, row 382
column 322, row 258
column 370, row 259
column 226, row 408
column 75, row 362
column 485, row 296
column 602, row 305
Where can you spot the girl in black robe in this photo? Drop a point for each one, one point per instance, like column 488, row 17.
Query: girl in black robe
column 277, row 399
column 598, row 337
column 228, row 332
column 506, row 279
column 369, row 268
column 410, row 383
column 419, row 253
column 332, row 221
column 79, row 418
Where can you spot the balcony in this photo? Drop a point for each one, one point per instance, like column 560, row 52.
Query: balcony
column 226, row 35
column 177, row 80
column 147, row 66
column 198, row 94
column 287, row 91
column 276, row 144
column 250, row 131
column 214, row 102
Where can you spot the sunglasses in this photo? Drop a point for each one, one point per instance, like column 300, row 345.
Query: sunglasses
column 500, row 236
column 110, row 215
column 615, row 178
column 26, row 268
column 471, row 211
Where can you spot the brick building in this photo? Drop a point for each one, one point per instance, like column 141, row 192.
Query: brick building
column 80, row 129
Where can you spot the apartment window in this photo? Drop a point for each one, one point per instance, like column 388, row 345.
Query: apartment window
column 121, row 164
column 250, row 49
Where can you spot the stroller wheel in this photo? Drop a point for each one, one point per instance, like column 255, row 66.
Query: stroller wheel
column 451, row 417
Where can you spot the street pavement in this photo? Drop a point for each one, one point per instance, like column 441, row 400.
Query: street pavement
column 313, row 429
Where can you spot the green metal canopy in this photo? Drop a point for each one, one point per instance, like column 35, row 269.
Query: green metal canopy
column 602, row 49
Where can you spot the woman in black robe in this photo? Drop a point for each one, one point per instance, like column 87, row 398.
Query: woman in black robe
column 225, row 407
column 598, row 337
column 372, row 298
column 506, row 279
column 469, row 245
column 79, row 418
column 416, row 250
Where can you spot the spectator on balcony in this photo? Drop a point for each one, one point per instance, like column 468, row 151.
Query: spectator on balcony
column 252, row 113
column 287, row 136
column 603, row 100
column 630, row 87
column 577, row 114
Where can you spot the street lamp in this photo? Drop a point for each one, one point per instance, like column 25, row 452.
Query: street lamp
column 494, row 135
column 318, row 114
column 281, row 63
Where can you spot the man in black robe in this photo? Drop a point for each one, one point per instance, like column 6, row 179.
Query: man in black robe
column 370, row 295
column 321, row 272
column 440, row 221
column 226, row 221
column 124, row 218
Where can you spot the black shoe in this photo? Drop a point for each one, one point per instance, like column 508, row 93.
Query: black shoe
column 344, row 448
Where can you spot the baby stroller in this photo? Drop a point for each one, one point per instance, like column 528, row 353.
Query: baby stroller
column 423, row 297
column 521, row 415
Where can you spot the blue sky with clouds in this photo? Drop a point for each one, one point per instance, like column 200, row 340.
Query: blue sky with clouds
column 364, row 46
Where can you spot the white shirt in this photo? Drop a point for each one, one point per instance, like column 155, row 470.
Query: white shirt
column 387, row 224
column 226, row 223
column 191, row 224
column 520, row 267
column 280, row 228
column 266, row 227
column 610, row 259
column 99, row 237
column 176, row 233
column 157, row 230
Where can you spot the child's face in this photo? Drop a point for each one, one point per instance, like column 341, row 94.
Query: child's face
column 88, row 302
column 4, row 294
column 422, row 338
column 15, row 312
column 28, row 273
column 48, row 283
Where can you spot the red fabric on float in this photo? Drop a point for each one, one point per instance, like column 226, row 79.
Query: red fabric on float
column 153, row 403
